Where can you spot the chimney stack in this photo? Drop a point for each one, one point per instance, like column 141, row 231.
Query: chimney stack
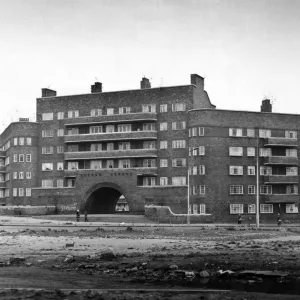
column 96, row 88
column 266, row 106
column 197, row 80
column 48, row 93
column 145, row 83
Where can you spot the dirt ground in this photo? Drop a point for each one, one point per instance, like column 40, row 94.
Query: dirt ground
column 149, row 258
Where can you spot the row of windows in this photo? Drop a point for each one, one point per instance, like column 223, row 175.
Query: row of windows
column 263, row 152
column 239, row 170
column 194, row 151
column 176, row 180
column 49, row 183
column 193, row 209
column 21, row 141
column 21, row 192
column 22, row 157
column 4, row 177
column 21, row 175
column 264, row 208
column 50, row 149
column 262, row 133
column 264, row 189
column 146, row 108
column 196, row 131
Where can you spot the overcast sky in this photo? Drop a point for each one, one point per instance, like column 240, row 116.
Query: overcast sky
column 246, row 49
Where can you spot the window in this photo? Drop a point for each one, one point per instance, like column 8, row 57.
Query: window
column 291, row 152
column 28, row 157
column 96, row 164
column 60, row 166
column 15, row 175
column 250, row 151
column 60, row 115
column 291, row 208
column 292, row 189
column 15, row 141
column 194, row 131
column 6, row 161
column 148, row 126
column 7, row 176
column 60, row 132
column 178, row 144
column 124, row 163
column 110, row 164
column 21, row 141
column 194, row 190
column 163, row 108
column 29, row 141
column 73, row 131
column 47, row 133
column 251, row 170
column 110, row 128
column 47, row 150
column 15, row 157
column 110, row 147
column 291, row 134
column 163, row 126
column 194, row 170
column 47, row 116
column 178, row 162
column 265, row 189
column 95, row 129
column 96, row 147
column 28, row 175
column 251, row 189
column 124, row 146
column 235, row 132
column 264, row 133
column 201, row 150
column 149, row 108
column 47, row 166
column 28, row 192
column 201, row 170
column 266, row 208
column 264, row 171
column 59, row 149
column 21, row 192
column 265, row 152
column 70, row 182
column 236, row 151
column 73, row 113
column 148, row 181
column 179, row 180
column 163, row 163
column 21, row 157
column 163, row 180
column 6, row 192
column 236, row 209
column 202, row 209
column 236, row 170
column 178, row 107
column 124, row 110
column 60, row 183
column 149, row 163
column 15, row 192
column 124, row 128
column 201, row 189
column 47, row 183
column 163, row 144
column 201, row 133
column 251, row 208
column 193, row 151
column 178, row 125
column 149, row 145
column 291, row 171
column 250, row 132
column 96, row 112
column 72, row 165
column 236, row 190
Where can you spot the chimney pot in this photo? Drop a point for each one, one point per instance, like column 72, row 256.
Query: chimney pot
column 48, row 93
column 145, row 83
column 96, row 88
column 266, row 106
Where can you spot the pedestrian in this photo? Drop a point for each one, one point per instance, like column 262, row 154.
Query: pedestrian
column 240, row 220
column 85, row 217
column 77, row 215
column 278, row 220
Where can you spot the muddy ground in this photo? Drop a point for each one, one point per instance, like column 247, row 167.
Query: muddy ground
column 149, row 258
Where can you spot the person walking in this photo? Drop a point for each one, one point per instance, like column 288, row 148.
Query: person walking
column 77, row 215
column 278, row 220
column 239, row 220
column 85, row 217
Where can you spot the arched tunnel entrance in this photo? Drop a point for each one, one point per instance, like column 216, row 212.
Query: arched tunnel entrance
column 103, row 201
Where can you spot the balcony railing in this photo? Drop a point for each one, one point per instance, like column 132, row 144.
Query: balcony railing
column 118, row 118
column 112, row 136
column 2, row 154
column 281, row 198
column 280, row 142
column 281, row 179
column 281, row 160
column 2, row 184
column 111, row 154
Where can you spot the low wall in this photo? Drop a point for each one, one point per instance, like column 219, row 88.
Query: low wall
column 163, row 214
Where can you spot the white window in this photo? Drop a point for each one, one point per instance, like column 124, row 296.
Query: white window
column 250, row 132
column 149, row 163
column 291, row 152
column 291, row 171
column 265, row 189
column 15, row 157
column 59, row 149
column 236, row 170
column 251, row 189
column 194, row 151
column 15, row 141
column 47, row 133
column 21, row 192
column 178, row 107
column 236, row 209
column 251, row 208
column 264, row 133
column 194, row 131
column 21, row 157
column 110, row 128
column 149, row 108
column 195, row 209
column 73, row 113
column 15, row 175
column 47, row 183
column 96, row 147
column 124, row 110
column 70, row 182
column 163, row 163
column 21, row 141
column 73, row 131
column 266, row 208
column 149, row 145
column 96, row 112
column 6, row 193
column 194, row 190
column 292, row 189
column 73, row 165
column 15, row 192
column 124, row 146
column 194, row 170
column 7, row 176
column 265, row 152
column 163, row 144
column 47, row 166
column 148, row 181
column 28, row 157
column 29, row 141
column 236, row 151
column 236, row 190
column 178, row 144
column 6, row 161
column 251, row 170
column 60, row 115
column 178, row 162
column 110, row 164
column 124, row 127
column 163, row 126
column 96, row 129
column 201, row 170
column 47, row 150
column 28, row 175
column 60, row 132
column 163, row 180
column 60, row 166
column 201, row 133
column 163, row 108
column 179, row 180
column 291, row 208
column 28, row 192
column 178, row 125
column 291, row 134
column 124, row 163
column 250, row 151
column 47, row 116
column 110, row 147
column 60, row 183
column 202, row 209
column 264, row 171
column 201, row 189
column 2, row 193
column 148, row 126
column 96, row 164
column 235, row 132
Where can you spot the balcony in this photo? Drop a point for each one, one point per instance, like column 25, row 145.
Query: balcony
column 281, row 160
column 281, row 179
column 2, row 184
column 112, row 136
column 280, row 142
column 111, row 154
column 2, row 154
column 125, row 118
column 2, row 169
column 281, row 198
